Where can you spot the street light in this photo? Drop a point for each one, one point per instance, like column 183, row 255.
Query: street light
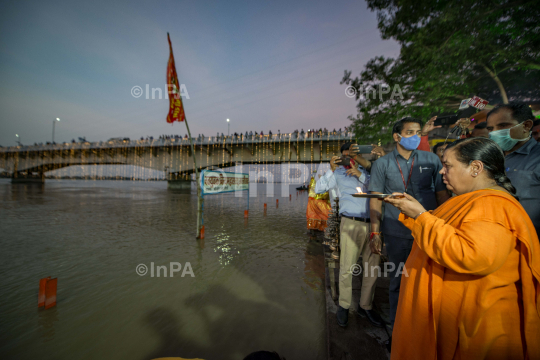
column 228, row 127
column 53, row 123
column 18, row 138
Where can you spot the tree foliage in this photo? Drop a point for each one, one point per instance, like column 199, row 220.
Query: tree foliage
column 450, row 50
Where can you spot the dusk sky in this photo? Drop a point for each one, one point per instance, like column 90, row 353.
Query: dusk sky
column 264, row 65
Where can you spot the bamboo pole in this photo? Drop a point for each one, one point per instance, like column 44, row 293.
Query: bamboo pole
column 199, row 192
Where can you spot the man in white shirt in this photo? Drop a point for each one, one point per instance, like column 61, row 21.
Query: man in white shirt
column 354, row 236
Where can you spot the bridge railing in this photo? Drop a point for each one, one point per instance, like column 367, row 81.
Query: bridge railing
column 211, row 140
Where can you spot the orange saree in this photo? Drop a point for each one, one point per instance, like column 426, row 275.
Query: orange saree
column 317, row 208
column 472, row 290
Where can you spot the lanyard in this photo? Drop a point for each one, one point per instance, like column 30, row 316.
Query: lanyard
column 401, row 172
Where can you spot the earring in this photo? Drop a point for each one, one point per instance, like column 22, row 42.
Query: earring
column 475, row 174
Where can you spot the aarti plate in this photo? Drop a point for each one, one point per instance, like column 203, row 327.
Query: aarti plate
column 376, row 196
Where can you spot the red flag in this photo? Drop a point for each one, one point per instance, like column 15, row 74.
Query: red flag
column 176, row 108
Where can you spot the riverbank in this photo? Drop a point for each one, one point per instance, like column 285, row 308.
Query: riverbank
column 360, row 339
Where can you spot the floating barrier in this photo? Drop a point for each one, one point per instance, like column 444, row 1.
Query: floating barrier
column 47, row 292
column 41, row 294
column 202, row 232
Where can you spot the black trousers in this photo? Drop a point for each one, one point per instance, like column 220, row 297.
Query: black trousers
column 398, row 250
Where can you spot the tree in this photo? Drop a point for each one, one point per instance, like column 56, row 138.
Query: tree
column 450, row 50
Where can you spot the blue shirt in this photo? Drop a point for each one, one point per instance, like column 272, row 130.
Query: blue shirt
column 346, row 186
column 425, row 182
column 523, row 170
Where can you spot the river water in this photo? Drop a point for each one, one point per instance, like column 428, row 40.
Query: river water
column 256, row 284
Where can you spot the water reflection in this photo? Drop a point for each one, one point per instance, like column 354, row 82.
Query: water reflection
column 313, row 267
column 47, row 320
column 23, row 192
column 167, row 327
column 224, row 249
column 201, row 243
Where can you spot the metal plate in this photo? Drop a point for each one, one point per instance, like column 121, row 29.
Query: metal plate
column 374, row 196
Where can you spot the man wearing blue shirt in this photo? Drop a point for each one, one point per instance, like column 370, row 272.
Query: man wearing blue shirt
column 407, row 170
column 510, row 125
column 354, row 234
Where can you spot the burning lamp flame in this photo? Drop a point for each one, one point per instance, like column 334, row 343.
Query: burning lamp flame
column 359, row 190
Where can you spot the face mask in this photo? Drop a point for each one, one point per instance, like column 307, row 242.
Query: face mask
column 410, row 143
column 503, row 138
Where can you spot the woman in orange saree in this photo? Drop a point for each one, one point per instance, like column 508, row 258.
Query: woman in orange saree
column 317, row 208
column 472, row 290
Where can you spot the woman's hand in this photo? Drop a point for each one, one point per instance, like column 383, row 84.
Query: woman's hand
column 407, row 204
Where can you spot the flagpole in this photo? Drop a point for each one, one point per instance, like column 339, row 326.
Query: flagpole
column 197, row 180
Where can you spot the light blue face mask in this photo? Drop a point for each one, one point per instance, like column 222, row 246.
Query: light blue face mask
column 503, row 138
column 410, row 143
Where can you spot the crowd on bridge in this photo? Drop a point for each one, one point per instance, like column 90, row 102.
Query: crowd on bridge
column 460, row 231
column 254, row 135
column 220, row 137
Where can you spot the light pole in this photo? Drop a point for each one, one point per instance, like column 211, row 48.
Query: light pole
column 53, row 123
column 18, row 138
column 228, row 127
